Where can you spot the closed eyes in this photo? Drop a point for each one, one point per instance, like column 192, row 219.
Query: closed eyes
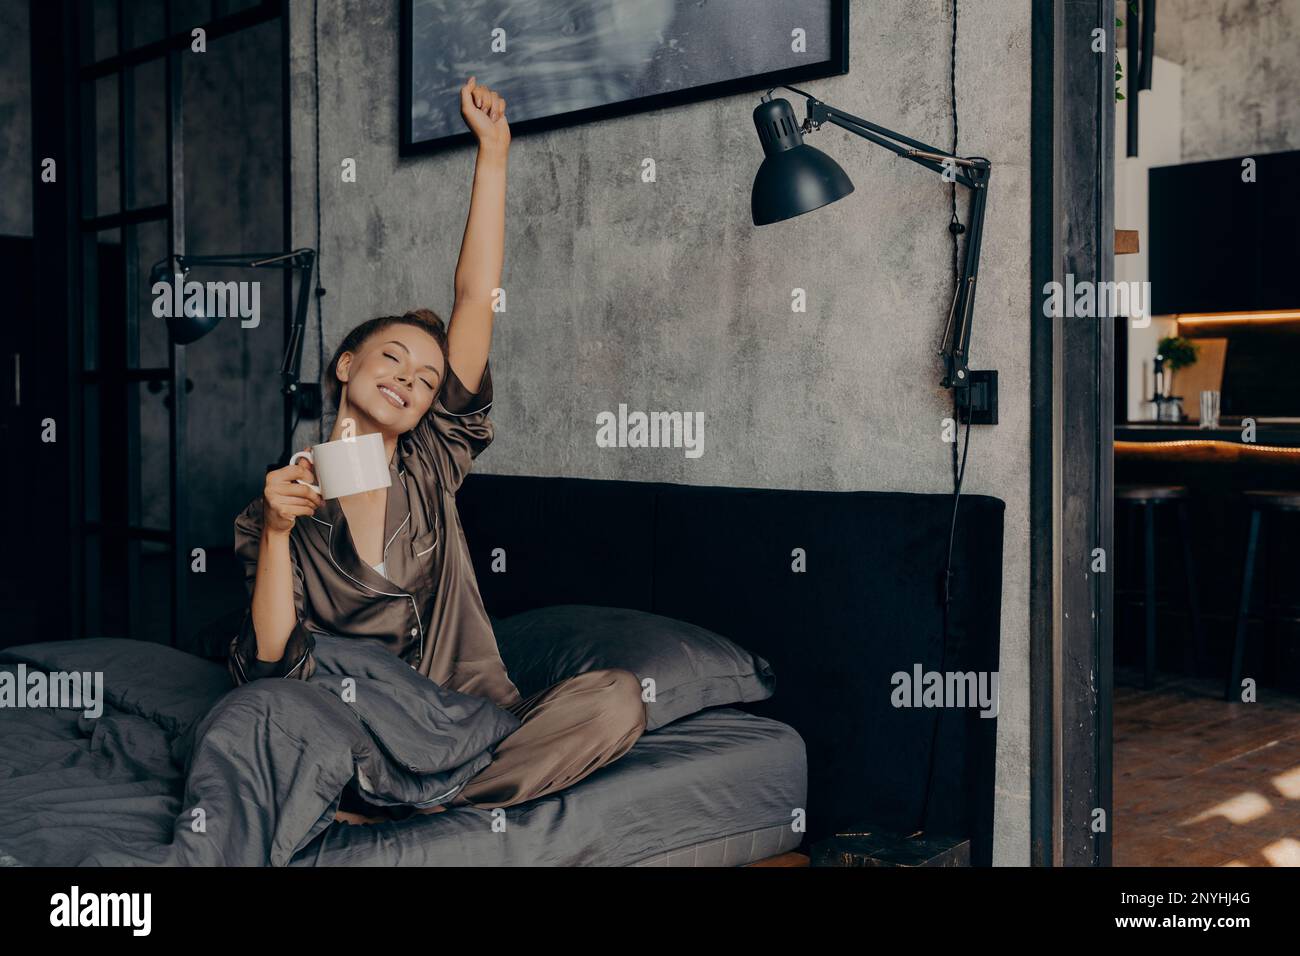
column 428, row 385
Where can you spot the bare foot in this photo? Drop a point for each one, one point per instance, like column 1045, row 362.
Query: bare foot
column 347, row 816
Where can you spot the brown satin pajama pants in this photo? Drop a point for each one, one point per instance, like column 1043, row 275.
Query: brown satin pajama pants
column 568, row 730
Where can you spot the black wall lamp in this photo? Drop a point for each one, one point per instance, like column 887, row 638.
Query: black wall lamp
column 796, row 178
column 301, row 400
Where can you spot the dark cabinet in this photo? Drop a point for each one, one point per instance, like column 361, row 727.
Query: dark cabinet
column 1221, row 244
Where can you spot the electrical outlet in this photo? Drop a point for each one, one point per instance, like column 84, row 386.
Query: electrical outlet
column 981, row 407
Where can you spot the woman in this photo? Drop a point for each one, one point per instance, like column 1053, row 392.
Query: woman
column 392, row 564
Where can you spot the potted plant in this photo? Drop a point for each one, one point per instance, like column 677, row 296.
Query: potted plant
column 1172, row 353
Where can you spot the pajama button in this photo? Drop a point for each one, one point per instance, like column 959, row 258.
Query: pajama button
column 414, row 632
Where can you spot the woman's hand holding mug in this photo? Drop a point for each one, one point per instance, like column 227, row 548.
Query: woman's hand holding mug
column 289, row 495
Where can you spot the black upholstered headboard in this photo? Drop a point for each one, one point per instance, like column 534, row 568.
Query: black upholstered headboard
column 867, row 606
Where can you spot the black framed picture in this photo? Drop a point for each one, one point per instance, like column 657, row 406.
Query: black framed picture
column 565, row 62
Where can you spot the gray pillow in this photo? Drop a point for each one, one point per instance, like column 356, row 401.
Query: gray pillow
column 692, row 668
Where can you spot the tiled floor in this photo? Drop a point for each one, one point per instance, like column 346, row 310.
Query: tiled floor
column 1201, row 782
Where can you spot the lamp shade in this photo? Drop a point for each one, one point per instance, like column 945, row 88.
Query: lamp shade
column 188, row 328
column 794, row 178
column 187, row 320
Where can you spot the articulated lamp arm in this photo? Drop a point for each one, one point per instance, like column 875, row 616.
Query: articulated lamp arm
column 970, row 172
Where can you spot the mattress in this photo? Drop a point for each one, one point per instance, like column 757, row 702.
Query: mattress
column 718, row 788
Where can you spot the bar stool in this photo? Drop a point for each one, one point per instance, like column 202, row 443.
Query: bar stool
column 1144, row 500
column 1260, row 504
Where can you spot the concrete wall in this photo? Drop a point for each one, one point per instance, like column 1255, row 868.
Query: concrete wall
column 234, row 194
column 665, row 297
column 1241, row 74
column 15, row 120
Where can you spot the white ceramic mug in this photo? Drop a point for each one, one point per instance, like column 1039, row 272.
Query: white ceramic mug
column 348, row 466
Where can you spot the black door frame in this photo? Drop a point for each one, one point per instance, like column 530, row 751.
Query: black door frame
column 49, row 349
column 1072, row 433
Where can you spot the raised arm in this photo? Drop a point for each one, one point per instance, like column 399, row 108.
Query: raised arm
column 482, row 251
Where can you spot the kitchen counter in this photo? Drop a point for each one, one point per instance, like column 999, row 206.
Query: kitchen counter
column 1213, row 460
column 1282, row 434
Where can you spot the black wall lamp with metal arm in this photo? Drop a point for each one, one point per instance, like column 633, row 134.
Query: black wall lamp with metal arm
column 796, row 178
column 302, row 399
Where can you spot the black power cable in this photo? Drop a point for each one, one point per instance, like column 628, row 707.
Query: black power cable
column 955, row 228
column 320, row 252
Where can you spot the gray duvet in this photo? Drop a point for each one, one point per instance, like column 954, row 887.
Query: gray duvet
column 715, row 788
column 179, row 768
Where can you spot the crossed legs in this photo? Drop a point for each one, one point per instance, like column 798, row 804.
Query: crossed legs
column 568, row 731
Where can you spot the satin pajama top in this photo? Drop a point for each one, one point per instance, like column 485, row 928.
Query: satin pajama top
column 426, row 608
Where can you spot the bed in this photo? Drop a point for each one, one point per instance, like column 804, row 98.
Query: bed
column 711, row 789
column 752, row 766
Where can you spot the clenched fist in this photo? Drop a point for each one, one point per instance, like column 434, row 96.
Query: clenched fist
column 485, row 114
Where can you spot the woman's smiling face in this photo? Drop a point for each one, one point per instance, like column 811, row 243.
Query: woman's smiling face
column 393, row 377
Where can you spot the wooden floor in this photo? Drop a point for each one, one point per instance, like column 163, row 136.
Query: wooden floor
column 1201, row 782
